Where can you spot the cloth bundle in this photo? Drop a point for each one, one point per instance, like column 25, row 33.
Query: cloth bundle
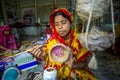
column 6, row 63
column 83, row 8
column 97, row 40
column 25, row 61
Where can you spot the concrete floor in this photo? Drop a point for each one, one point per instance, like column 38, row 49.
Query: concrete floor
column 108, row 66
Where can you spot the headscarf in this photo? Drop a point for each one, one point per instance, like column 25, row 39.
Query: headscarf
column 4, row 28
column 3, row 39
column 54, row 33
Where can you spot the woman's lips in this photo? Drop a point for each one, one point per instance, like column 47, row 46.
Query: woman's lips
column 61, row 32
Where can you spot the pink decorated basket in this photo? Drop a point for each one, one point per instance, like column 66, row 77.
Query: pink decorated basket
column 59, row 53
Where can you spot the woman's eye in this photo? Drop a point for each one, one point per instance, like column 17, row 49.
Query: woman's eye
column 56, row 24
column 61, row 22
column 64, row 21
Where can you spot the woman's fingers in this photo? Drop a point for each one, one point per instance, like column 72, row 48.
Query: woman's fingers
column 70, row 61
column 9, row 51
column 35, row 48
column 36, row 51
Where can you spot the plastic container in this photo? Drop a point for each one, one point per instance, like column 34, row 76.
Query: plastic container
column 50, row 74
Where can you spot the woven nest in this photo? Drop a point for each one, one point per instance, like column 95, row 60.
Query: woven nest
column 59, row 53
column 100, row 7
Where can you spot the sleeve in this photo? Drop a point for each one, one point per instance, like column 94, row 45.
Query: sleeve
column 83, row 54
column 49, row 44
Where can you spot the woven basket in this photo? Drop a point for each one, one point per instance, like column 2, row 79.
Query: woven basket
column 59, row 53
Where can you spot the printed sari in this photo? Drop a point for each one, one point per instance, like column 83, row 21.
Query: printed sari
column 7, row 41
column 79, row 53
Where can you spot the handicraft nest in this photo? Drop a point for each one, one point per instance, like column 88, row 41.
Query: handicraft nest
column 59, row 53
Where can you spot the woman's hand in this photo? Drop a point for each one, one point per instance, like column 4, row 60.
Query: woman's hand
column 9, row 51
column 79, row 65
column 70, row 61
column 37, row 51
column 76, row 65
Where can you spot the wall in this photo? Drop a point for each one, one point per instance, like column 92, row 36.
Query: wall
column 40, row 14
column 42, row 8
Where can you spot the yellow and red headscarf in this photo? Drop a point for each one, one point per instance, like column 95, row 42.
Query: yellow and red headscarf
column 54, row 33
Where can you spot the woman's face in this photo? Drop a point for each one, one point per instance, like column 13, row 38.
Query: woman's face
column 62, row 25
column 6, row 32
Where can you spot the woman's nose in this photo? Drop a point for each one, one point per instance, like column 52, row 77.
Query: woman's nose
column 60, row 26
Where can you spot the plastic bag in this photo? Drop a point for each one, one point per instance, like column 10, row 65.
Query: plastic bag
column 93, row 62
column 83, row 8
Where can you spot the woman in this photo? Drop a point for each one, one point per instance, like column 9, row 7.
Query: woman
column 7, row 40
column 48, row 31
column 62, row 32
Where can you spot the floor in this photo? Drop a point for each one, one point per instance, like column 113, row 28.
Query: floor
column 108, row 64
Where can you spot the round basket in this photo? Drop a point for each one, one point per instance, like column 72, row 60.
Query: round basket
column 59, row 53
column 11, row 73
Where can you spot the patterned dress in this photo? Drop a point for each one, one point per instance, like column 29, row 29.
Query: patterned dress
column 78, row 52
column 8, row 41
